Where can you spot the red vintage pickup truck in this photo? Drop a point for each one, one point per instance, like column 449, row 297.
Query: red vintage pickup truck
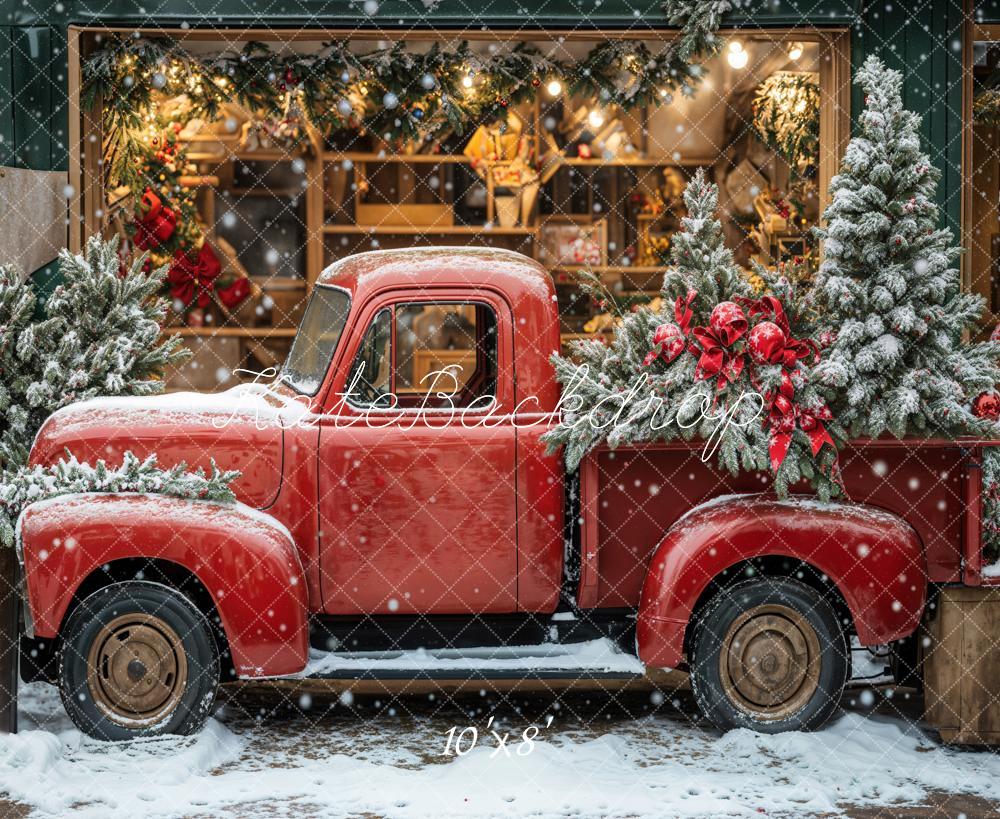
column 400, row 519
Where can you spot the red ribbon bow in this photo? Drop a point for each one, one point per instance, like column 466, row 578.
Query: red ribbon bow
column 713, row 345
column 157, row 223
column 190, row 277
column 783, row 417
column 234, row 295
column 714, row 359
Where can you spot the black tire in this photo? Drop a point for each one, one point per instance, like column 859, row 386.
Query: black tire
column 769, row 654
column 138, row 659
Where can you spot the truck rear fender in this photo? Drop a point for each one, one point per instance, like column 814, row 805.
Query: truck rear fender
column 244, row 559
column 873, row 558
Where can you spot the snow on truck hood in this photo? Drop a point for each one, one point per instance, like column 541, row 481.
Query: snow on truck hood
column 239, row 429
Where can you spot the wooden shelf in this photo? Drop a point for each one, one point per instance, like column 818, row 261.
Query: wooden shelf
column 246, row 156
column 231, row 332
column 399, row 159
column 460, row 159
column 418, row 230
column 638, row 162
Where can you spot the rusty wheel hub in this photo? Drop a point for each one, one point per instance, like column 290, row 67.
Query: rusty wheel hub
column 137, row 670
column 770, row 662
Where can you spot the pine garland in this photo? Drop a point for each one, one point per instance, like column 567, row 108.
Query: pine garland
column 69, row 477
column 786, row 117
column 399, row 95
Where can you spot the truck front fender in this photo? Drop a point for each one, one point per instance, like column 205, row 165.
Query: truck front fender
column 245, row 559
column 874, row 558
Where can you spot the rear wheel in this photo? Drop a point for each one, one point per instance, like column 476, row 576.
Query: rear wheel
column 769, row 654
column 138, row 659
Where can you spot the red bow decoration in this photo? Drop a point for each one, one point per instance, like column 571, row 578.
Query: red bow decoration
column 713, row 345
column 234, row 295
column 190, row 277
column 783, row 417
column 157, row 223
column 670, row 340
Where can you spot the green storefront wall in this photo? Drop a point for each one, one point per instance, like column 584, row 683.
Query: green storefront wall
column 924, row 39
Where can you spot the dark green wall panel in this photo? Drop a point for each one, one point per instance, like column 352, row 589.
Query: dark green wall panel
column 58, row 118
column 35, row 103
column 6, row 98
column 32, row 96
column 406, row 13
column 924, row 41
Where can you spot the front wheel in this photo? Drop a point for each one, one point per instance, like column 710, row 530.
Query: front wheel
column 769, row 654
column 138, row 659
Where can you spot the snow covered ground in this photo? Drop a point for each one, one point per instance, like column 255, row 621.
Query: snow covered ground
column 608, row 755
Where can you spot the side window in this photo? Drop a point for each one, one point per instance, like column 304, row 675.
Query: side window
column 441, row 354
column 446, row 354
column 370, row 374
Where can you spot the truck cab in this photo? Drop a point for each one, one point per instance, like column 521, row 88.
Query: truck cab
column 399, row 518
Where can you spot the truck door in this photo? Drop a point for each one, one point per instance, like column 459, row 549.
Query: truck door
column 416, row 477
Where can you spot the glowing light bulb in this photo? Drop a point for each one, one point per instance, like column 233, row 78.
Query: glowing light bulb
column 554, row 88
column 795, row 51
column 737, row 56
column 467, row 81
column 595, row 118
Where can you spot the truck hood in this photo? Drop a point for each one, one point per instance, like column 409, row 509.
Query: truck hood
column 239, row 429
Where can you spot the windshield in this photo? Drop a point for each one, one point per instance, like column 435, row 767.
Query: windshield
column 316, row 340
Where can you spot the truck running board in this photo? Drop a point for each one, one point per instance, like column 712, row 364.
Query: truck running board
column 593, row 659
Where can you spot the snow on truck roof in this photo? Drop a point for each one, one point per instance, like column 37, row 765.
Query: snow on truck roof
column 508, row 270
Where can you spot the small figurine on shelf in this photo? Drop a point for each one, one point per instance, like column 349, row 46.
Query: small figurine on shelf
column 656, row 251
column 503, row 158
column 651, row 204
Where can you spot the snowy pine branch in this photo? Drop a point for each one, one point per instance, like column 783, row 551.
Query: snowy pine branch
column 68, row 477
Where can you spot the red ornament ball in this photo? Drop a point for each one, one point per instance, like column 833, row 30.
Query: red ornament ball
column 670, row 339
column 987, row 406
column 728, row 322
column 766, row 343
column 995, row 335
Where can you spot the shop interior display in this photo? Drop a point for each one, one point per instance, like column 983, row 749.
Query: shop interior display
column 247, row 206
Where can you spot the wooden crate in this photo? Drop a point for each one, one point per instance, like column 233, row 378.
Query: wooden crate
column 962, row 666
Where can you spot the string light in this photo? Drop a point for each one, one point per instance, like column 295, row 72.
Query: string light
column 554, row 88
column 737, row 56
column 595, row 118
column 795, row 51
column 467, row 81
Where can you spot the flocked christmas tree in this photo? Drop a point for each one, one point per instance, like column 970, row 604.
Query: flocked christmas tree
column 100, row 336
column 716, row 364
column 888, row 291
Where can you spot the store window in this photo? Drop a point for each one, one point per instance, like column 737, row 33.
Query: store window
column 585, row 177
column 982, row 200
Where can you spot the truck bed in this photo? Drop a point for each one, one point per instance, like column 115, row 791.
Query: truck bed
column 630, row 496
